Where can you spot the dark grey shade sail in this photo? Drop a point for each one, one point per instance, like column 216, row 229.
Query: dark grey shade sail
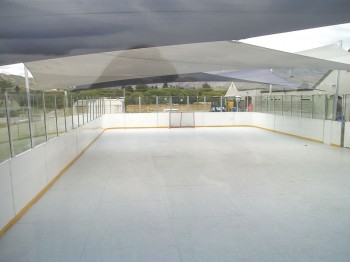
column 33, row 30
column 145, row 63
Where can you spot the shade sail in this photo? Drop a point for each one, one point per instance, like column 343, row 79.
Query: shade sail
column 331, row 52
column 166, row 60
column 34, row 30
column 258, row 75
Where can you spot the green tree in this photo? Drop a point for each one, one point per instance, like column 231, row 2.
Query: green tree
column 206, row 85
column 141, row 88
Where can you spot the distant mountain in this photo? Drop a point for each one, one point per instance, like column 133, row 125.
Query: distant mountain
column 17, row 80
column 190, row 85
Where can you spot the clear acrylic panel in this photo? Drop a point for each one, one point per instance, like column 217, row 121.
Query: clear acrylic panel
column 50, row 114
column 19, row 126
column 278, row 106
column 38, row 121
column 296, row 106
column 306, row 106
column 319, row 107
column 5, row 150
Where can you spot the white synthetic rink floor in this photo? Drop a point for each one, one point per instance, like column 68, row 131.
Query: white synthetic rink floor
column 204, row 194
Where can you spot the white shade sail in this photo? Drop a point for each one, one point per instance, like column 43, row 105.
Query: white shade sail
column 331, row 52
column 167, row 60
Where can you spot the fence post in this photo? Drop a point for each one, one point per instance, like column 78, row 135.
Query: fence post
column 204, row 103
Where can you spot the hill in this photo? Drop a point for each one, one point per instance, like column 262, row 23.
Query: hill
column 17, row 80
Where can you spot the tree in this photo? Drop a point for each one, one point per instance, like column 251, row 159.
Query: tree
column 4, row 85
column 141, row 88
column 206, row 85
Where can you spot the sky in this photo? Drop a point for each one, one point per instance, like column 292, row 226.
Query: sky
column 305, row 39
column 289, row 42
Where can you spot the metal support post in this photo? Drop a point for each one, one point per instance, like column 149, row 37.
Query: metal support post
column 45, row 122
column 221, row 104
column 8, row 119
column 56, row 116
column 188, row 103
column 157, row 102
column 64, row 110
column 282, row 104
column 139, row 104
column 72, row 104
column 29, row 106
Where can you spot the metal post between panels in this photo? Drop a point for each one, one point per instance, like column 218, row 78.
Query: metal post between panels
column 188, row 103
column 157, row 104
column 139, row 104
column 29, row 106
column 56, row 115
column 45, row 122
column 8, row 119
column 64, row 110
column 83, row 102
column 221, row 104
column 282, row 104
column 71, row 102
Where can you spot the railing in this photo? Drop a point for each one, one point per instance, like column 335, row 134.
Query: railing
column 24, row 125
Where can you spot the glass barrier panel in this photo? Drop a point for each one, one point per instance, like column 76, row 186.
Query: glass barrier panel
column 264, row 104
column 278, row 105
column 132, row 104
column 347, row 108
column 149, row 104
column 287, row 105
column 296, row 106
column 329, row 107
column 61, row 120
column 5, row 150
column 306, row 106
column 164, row 104
column 319, row 107
column 216, row 103
column 69, row 112
column 179, row 103
column 194, row 104
column 50, row 114
column 19, row 126
column 38, row 121
column 258, row 104
column 75, row 111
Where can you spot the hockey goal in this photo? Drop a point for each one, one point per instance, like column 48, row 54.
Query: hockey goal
column 181, row 119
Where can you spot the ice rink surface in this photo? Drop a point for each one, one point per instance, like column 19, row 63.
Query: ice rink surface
column 204, row 194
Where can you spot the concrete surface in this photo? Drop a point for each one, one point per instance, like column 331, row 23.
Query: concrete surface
column 205, row 194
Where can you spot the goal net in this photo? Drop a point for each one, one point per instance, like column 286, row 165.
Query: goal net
column 181, row 119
